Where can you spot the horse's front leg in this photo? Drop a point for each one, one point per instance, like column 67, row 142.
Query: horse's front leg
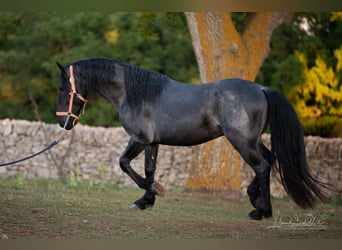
column 148, row 199
column 132, row 150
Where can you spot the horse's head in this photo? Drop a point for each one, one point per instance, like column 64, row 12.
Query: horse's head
column 71, row 103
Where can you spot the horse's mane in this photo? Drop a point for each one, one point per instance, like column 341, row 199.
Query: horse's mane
column 141, row 86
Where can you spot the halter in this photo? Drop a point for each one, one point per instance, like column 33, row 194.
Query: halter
column 73, row 93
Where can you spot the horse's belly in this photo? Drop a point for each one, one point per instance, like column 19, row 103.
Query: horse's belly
column 187, row 140
column 180, row 134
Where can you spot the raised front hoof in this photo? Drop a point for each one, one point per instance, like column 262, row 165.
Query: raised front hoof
column 158, row 189
column 258, row 214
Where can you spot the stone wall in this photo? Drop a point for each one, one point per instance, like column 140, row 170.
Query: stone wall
column 92, row 154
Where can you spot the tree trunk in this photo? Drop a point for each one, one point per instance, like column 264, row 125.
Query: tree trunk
column 222, row 52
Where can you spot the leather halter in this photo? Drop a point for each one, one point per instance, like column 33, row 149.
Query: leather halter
column 73, row 93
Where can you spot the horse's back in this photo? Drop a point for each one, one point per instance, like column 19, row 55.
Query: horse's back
column 192, row 114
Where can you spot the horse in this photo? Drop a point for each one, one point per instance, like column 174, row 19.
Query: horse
column 156, row 110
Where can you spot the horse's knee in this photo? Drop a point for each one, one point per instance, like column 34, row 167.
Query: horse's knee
column 124, row 163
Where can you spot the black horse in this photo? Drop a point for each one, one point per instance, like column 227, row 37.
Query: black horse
column 155, row 109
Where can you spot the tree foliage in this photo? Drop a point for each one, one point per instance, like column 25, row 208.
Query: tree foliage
column 304, row 64
column 318, row 99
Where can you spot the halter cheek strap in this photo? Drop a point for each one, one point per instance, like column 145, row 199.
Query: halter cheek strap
column 73, row 94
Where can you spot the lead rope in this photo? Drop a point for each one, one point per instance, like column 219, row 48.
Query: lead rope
column 69, row 114
column 51, row 145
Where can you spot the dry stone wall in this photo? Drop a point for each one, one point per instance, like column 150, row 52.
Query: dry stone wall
column 92, row 154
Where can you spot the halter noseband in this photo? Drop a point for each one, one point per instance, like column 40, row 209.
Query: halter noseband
column 73, row 93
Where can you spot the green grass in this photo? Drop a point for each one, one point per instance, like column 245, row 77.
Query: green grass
column 45, row 209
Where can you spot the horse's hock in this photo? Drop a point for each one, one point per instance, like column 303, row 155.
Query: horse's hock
column 91, row 154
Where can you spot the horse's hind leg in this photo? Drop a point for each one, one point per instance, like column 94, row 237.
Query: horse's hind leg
column 253, row 189
column 253, row 153
column 151, row 154
column 262, row 200
column 259, row 190
column 253, row 192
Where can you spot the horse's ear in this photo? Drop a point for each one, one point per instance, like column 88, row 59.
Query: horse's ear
column 61, row 68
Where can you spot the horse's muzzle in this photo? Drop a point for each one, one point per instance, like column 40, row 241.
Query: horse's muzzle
column 67, row 122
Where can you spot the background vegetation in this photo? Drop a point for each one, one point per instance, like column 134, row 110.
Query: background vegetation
column 305, row 61
column 305, row 64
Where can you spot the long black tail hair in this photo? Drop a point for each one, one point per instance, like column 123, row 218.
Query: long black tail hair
column 288, row 152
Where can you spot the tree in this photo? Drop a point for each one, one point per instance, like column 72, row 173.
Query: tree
column 304, row 65
column 222, row 52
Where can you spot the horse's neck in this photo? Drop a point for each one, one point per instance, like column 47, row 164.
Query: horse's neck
column 113, row 88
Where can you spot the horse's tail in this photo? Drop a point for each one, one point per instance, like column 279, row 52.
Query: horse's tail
column 288, row 150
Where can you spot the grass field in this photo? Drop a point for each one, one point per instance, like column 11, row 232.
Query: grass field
column 44, row 209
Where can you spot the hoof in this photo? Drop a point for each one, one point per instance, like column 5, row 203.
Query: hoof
column 255, row 215
column 134, row 206
column 267, row 214
column 158, row 189
column 140, row 207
